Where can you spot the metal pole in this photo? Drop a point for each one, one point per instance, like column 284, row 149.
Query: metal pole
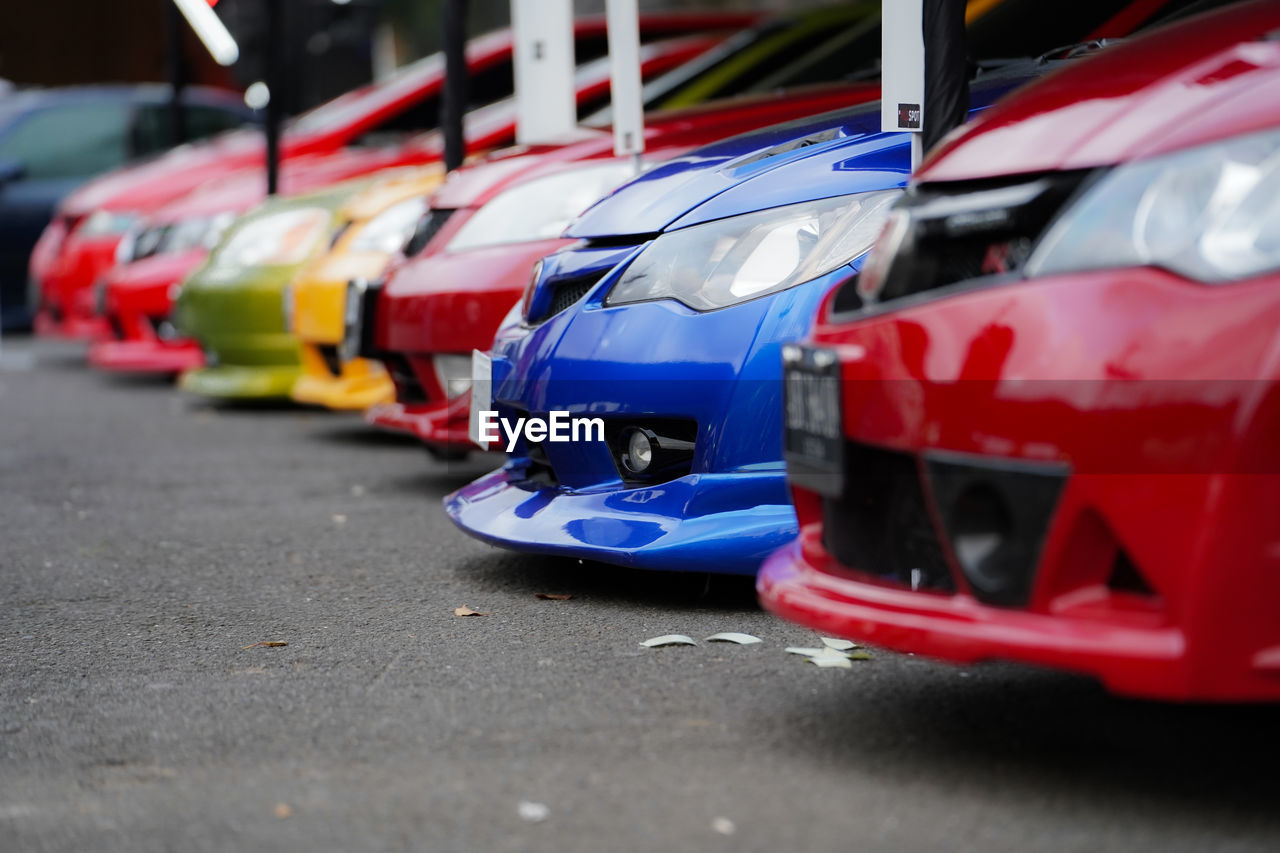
column 178, row 78
column 453, row 105
column 276, row 89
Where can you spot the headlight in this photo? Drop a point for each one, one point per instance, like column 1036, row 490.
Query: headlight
column 107, row 223
column 540, row 209
column 1210, row 213
column 285, row 238
column 728, row 261
column 127, row 245
column 454, row 374
column 198, row 233
column 388, row 232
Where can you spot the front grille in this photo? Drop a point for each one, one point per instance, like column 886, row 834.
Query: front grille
column 881, row 525
column 408, row 388
column 968, row 230
column 566, row 293
column 427, row 228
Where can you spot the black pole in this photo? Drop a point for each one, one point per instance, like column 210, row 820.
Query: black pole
column 454, row 103
column 177, row 77
column 946, row 69
column 276, row 88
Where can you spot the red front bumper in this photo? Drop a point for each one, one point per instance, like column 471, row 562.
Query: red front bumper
column 137, row 301
column 445, row 304
column 440, row 426
column 1154, row 568
column 65, row 284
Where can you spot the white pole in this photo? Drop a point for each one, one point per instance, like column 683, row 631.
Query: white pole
column 902, row 71
column 624, row 71
column 546, row 103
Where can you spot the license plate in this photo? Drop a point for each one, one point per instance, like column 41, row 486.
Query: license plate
column 814, row 434
column 481, row 393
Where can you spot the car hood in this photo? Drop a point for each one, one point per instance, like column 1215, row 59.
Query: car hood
column 782, row 164
column 245, row 188
column 1206, row 78
column 156, row 181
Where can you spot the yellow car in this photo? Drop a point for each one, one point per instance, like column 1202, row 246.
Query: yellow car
column 382, row 218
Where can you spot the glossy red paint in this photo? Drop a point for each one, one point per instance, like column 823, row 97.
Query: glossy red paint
column 1159, row 397
column 443, row 303
column 1177, row 86
column 488, row 127
column 146, row 187
column 137, row 301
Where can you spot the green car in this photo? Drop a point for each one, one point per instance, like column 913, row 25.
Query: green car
column 233, row 303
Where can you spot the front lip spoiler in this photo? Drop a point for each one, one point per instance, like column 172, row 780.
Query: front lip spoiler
column 237, row 382
column 442, row 426
column 1129, row 660
column 145, row 356
column 637, row 528
column 349, row 393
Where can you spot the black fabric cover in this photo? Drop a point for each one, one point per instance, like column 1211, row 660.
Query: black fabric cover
column 946, row 69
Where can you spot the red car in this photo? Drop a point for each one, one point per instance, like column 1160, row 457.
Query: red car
column 134, row 295
column 70, row 257
column 451, row 297
column 1041, row 424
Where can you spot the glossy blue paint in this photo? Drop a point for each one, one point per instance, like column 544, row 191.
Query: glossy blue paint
column 763, row 164
column 646, row 363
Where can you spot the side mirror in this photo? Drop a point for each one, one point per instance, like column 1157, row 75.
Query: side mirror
column 11, row 170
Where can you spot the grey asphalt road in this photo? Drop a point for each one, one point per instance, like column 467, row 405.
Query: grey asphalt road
column 147, row 539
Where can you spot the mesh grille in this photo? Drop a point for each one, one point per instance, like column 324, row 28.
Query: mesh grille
column 568, row 295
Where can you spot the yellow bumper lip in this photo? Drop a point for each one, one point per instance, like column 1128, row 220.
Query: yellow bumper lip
column 343, row 393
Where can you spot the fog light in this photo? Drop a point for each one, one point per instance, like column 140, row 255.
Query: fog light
column 996, row 513
column 639, row 454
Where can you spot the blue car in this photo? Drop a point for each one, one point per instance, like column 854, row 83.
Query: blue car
column 661, row 332
column 53, row 140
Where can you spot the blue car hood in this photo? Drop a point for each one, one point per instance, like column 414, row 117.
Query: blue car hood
column 744, row 173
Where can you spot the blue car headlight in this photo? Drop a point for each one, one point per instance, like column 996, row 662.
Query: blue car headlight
column 728, row 261
column 1210, row 213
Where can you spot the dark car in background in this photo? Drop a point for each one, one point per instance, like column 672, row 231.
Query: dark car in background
column 53, row 140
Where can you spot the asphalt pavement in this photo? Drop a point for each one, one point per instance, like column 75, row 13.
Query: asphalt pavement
column 147, row 539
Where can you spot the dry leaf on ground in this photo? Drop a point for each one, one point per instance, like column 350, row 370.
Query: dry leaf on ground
column 733, row 637
column 467, row 611
column 270, row 644
column 669, row 640
column 552, row 596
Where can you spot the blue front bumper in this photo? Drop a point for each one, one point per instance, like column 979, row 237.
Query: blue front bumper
column 639, row 364
column 724, row 523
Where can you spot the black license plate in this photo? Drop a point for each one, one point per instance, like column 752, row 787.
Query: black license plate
column 814, row 429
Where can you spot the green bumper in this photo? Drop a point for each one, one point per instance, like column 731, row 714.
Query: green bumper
column 241, row 383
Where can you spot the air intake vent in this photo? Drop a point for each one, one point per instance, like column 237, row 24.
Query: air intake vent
column 793, row 145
